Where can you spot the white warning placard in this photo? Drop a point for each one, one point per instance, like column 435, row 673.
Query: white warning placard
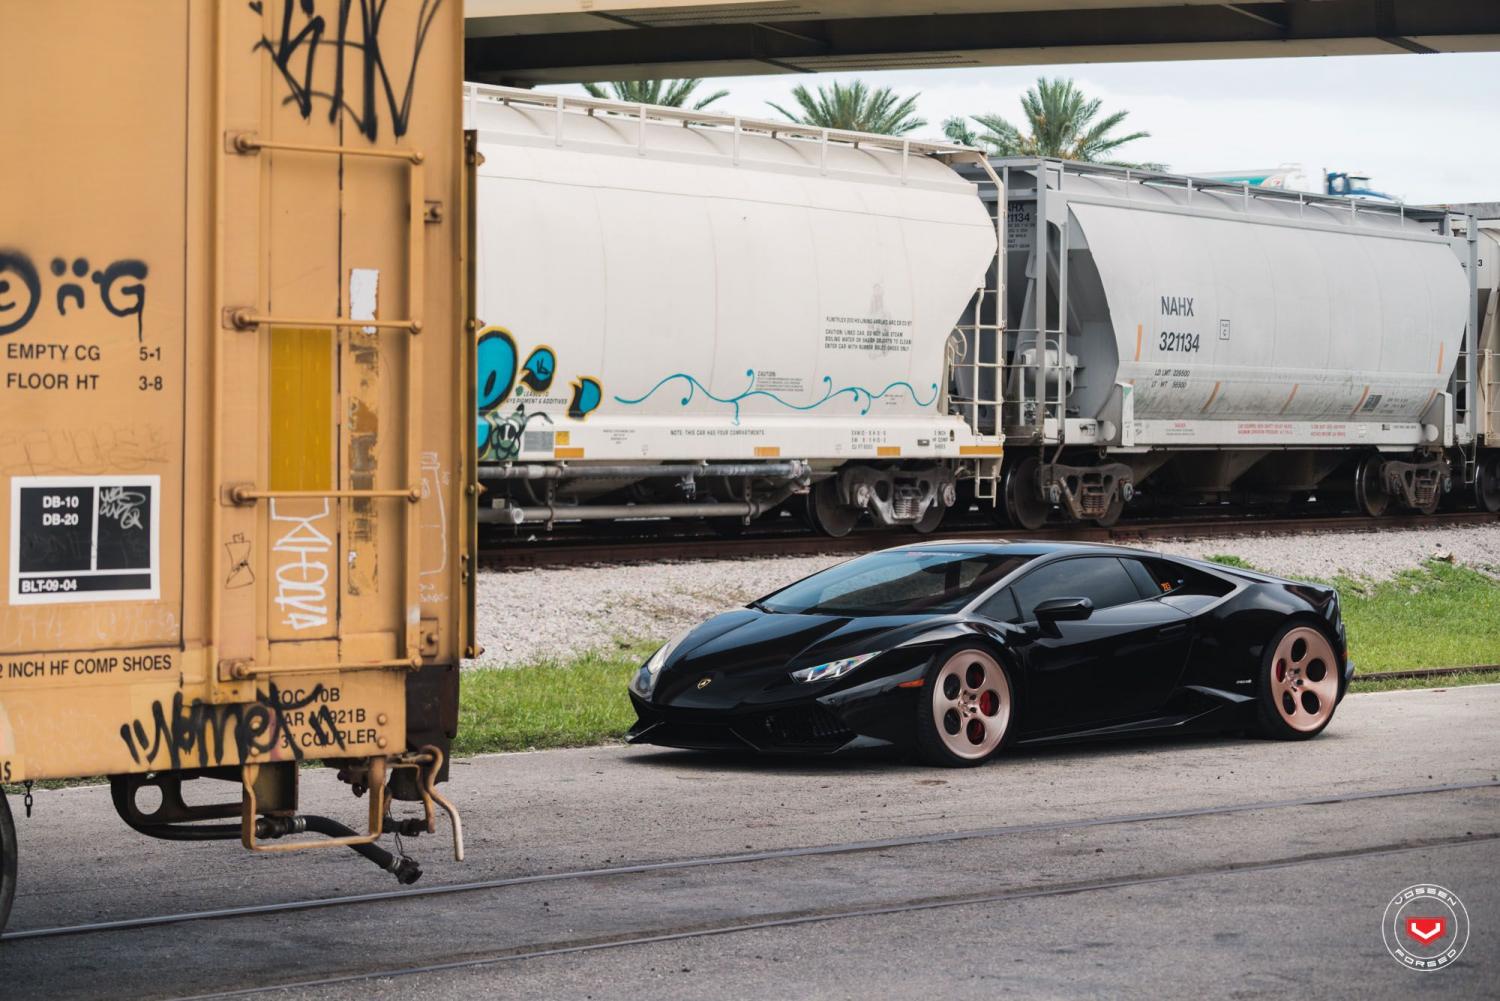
column 84, row 538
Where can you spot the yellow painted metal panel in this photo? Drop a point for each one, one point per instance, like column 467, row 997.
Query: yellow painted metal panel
column 301, row 402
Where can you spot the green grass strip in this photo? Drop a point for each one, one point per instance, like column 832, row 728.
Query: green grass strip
column 569, row 703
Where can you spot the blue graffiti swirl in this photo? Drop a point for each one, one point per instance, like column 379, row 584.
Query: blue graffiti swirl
column 859, row 393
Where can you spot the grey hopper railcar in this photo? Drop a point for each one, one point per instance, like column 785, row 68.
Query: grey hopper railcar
column 1198, row 340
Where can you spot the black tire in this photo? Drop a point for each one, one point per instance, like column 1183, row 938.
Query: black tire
column 8, row 853
column 995, row 722
column 1297, row 687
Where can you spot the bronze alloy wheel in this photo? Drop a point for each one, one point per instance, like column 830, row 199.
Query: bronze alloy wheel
column 7, row 860
column 967, row 709
column 1300, row 686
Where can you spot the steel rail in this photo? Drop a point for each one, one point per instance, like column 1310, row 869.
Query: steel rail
column 643, row 543
column 881, row 910
column 841, row 848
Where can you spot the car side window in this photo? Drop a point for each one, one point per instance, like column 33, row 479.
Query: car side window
column 1145, row 583
column 1102, row 579
column 1001, row 607
column 1176, row 579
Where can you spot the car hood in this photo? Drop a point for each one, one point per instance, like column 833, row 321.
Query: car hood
column 746, row 656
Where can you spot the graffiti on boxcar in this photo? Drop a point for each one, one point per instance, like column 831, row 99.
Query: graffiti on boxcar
column 303, row 35
column 302, row 580
column 502, row 375
column 586, row 397
column 240, row 575
column 501, row 436
column 859, row 395
column 122, row 289
column 199, row 733
column 20, row 291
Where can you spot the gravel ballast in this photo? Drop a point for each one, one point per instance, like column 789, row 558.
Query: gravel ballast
column 526, row 616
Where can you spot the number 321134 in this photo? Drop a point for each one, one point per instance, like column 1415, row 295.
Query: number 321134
column 1178, row 341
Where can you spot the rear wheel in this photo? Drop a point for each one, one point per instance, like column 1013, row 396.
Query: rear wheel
column 966, row 710
column 1299, row 684
column 8, row 854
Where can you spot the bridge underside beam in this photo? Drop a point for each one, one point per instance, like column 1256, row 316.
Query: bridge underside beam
column 567, row 40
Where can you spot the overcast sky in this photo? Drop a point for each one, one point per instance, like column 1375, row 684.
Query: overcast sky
column 1425, row 128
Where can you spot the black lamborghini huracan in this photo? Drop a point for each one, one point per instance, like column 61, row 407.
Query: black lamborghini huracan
column 957, row 649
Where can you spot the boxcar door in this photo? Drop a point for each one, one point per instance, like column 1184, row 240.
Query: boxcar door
column 339, row 454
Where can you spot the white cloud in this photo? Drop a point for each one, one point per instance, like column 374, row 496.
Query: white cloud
column 1426, row 128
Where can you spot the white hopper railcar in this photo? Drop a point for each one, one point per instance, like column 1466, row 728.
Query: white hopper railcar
column 1202, row 340
column 689, row 314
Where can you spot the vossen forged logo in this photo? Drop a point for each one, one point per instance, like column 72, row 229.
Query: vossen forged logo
column 1425, row 927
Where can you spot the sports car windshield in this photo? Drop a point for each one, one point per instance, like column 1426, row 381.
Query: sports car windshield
column 902, row 582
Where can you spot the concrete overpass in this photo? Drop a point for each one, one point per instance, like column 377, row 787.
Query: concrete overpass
column 551, row 41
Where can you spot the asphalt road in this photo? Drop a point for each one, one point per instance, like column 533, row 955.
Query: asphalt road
column 1186, row 868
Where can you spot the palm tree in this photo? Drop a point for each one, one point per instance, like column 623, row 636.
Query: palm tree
column 1063, row 125
column 667, row 93
column 855, row 108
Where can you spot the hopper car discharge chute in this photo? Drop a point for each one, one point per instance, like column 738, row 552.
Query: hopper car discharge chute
column 1190, row 341
column 687, row 314
column 237, row 476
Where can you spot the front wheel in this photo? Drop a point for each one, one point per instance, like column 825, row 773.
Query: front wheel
column 1298, row 685
column 966, row 710
column 8, row 854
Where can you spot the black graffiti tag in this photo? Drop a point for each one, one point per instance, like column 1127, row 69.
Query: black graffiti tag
column 122, row 289
column 203, row 729
column 20, row 291
column 134, row 294
column 357, row 55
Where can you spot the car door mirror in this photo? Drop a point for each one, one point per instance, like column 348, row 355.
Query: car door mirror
column 1055, row 610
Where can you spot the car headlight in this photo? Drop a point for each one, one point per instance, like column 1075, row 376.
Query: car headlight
column 644, row 682
column 832, row 669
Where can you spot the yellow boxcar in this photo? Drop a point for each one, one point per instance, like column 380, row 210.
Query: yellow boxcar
column 235, row 447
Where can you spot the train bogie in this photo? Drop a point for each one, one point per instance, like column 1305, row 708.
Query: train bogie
column 232, row 313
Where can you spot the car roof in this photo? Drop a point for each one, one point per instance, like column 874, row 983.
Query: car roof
column 1004, row 547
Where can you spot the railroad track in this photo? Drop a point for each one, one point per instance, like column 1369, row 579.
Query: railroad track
column 741, row 858
column 819, row 917
column 376, row 968
column 649, row 542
